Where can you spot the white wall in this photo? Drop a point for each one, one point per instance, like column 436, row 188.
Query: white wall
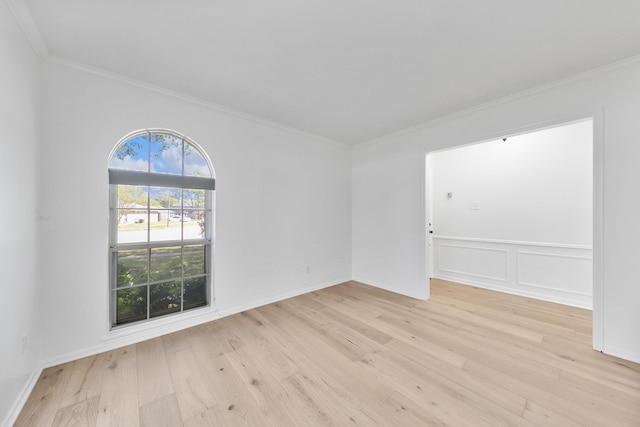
column 19, row 84
column 388, row 190
column 534, row 187
column 520, row 217
column 283, row 203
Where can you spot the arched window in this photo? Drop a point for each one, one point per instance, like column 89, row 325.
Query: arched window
column 161, row 189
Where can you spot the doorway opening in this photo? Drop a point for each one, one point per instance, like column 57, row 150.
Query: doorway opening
column 516, row 214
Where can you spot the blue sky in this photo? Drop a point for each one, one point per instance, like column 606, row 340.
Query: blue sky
column 168, row 160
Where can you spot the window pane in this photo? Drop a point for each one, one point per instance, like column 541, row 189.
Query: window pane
column 132, row 267
column 167, row 204
column 132, row 155
column 194, row 260
column 194, row 214
column 165, row 299
column 166, row 198
column 193, row 198
column 158, row 215
column 166, row 154
column 132, row 216
column 132, row 226
column 149, row 279
column 166, row 264
column 194, row 229
column 194, row 163
column 132, row 212
column 132, row 196
column 195, row 292
column 166, row 230
column 131, row 305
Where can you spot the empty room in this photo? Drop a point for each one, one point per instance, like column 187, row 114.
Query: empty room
column 220, row 213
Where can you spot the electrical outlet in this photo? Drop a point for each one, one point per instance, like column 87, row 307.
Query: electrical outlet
column 308, row 269
column 25, row 339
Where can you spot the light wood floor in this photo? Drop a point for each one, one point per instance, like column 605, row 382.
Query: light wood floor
column 355, row 355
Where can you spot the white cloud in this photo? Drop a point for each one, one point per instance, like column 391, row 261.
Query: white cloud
column 169, row 161
column 129, row 164
column 172, row 157
column 195, row 165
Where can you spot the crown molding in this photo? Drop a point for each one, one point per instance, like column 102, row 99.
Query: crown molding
column 23, row 17
column 633, row 60
column 64, row 63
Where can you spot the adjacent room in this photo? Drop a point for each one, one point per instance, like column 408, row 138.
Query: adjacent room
column 516, row 214
column 217, row 213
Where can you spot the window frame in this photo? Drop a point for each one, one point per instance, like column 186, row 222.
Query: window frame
column 118, row 177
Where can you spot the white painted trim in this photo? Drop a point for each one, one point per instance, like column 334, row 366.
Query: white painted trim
column 132, row 338
column 500, row 101
column 424, row 295
column 168, row 324
column 519, row 292
column 284, row 296
column 23, row 17
column 525, row 129
column 63, row 63
column 425, row 270
column 427, row 215
column 551, row 255
column 598, row 230
column 548, row 255
column 550, row 288
column 479, row 276
column 598, row 118
column 621, row 353
column 111, row 343
column 513, row 242
column 504, row 279
column 17, row 406
column 513, row 260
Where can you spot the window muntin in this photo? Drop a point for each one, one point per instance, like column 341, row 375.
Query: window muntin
column 161, row 189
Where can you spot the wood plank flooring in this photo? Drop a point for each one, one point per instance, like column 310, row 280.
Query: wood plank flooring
column 355, row 355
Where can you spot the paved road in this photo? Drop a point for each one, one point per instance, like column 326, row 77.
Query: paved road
column 191, row 231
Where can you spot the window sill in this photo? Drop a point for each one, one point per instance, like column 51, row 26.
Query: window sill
column 132, row 334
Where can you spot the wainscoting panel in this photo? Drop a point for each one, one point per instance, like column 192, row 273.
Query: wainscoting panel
column 484, row 263
column 547, row 271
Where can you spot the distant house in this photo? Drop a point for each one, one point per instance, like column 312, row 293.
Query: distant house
column 138, row 214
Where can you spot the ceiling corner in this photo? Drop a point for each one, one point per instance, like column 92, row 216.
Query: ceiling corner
column 23, row 17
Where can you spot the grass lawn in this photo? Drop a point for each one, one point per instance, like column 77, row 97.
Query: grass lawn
column 157, row 224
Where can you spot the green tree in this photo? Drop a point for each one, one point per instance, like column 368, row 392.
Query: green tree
column 166, row 199
column 128, row 197
column 195, row 198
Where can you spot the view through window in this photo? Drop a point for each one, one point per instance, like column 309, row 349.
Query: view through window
column 161, row 188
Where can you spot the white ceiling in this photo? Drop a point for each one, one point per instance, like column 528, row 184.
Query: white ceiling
column 348, row 70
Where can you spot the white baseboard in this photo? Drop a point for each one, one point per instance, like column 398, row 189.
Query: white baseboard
column 282, row 297
column 422, row 295
column 622, row 354
column 558, row 273
column 121, row 339
column 111, row 343
column 518, row 292
column 12, row 416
